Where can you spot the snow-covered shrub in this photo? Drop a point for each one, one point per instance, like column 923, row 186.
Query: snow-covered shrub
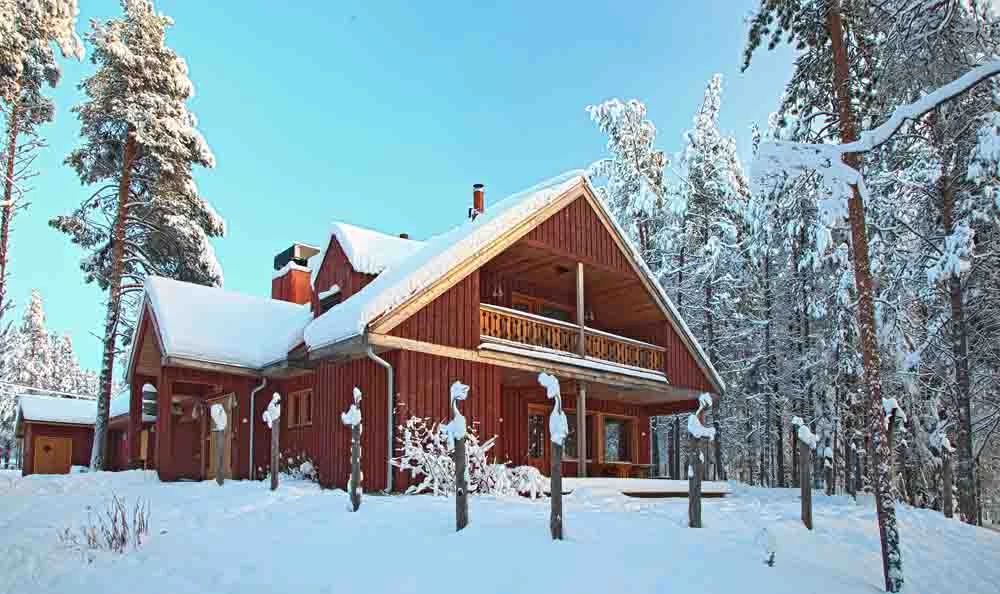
column 293, row 466
column 424, row 452
column 117, row 529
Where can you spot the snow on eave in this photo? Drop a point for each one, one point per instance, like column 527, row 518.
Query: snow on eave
column 368, row 251
column 439, row 255
column 33, row 408
column 291, row 265
column 210, row 325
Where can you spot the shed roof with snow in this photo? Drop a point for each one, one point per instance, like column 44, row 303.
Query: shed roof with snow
column 35, row 408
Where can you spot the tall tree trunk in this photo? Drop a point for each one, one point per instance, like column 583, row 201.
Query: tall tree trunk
column 7, row 209
column 892, row 560
column 947, row 505
column 675, row 470
column 97, row 456
column 960, row 354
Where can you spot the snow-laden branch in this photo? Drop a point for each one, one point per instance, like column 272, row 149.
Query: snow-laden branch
column 558, row 425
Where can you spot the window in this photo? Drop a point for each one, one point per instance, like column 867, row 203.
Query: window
column 536, row 435
column 617, row 436
column 555, row 312
column 327, row 303
column 299, row 409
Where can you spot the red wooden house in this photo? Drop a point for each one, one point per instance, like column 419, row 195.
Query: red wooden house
column 544, row 280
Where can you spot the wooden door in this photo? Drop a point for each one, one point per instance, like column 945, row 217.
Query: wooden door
column 228, row 402
column 53, row 455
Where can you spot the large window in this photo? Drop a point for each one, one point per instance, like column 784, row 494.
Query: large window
column 617, row 440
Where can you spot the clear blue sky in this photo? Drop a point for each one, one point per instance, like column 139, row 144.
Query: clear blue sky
column 384, row 116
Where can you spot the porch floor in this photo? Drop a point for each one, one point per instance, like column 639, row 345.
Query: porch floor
column 635, row 487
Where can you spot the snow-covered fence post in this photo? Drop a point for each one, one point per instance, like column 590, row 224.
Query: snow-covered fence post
column 807, row 442
column 700, row 435
column 558, row 429
column 272, row 417
column 352, row 418
column 456, row 430
column 828, row 466
column 219, row 436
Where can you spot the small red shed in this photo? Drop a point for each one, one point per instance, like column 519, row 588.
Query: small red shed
column 54, row 433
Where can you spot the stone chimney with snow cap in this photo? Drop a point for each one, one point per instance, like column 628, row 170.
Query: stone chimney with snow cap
column 292, row 278
column 478, row 201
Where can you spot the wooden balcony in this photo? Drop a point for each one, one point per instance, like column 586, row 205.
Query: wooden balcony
column 537, row 331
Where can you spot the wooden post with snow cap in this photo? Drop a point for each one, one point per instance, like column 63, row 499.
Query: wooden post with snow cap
column 352, row 418
column 700, row 435
column 218, row 436
column 456, row 431
column 558, row 429
column 806, row 443
column 272, row 416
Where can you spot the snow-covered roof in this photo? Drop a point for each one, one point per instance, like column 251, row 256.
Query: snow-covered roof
column 439, row 255
column 212, row 325
column 369, row 252
column 419, row 269
column 50, row 409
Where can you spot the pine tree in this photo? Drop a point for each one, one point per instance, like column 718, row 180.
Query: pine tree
column 28, row 29
column 34, row 353
column 140, row 143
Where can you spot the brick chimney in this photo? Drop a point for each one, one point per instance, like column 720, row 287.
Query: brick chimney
column 292, row 279
column 478, row 201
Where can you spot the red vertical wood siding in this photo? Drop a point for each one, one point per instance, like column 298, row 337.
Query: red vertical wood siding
column 515, row 415
column 576, row 229
column 452, row 319
column 424, row 383
column 680, row 366
column 336, row 269
column 81, row 435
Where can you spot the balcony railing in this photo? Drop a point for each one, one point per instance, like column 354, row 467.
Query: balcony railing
column 537, row 331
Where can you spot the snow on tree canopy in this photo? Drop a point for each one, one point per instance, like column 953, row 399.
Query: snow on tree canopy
column 219, row 418
column 558, row 425
column 456, row 428
column 210, row 324
column 273, row 412
column 352, row 417
column 368, row 251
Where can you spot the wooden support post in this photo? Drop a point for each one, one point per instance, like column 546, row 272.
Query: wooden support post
column 355, row 467
column 805, row 465
column 555, row 492
column 220, row 455
column 461, row 488
column 947, row 506
column 675, row 468
column 580, row 317
column 581, row 429
column 275, row 430
column 696, row 467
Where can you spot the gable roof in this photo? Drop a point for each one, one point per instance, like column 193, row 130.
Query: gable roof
column 369, row 252
column 436, row 258
column 35, row 408
column 429, row 266
column 212, row 325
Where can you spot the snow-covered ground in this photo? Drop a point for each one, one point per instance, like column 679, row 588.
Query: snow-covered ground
column 241, row 538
